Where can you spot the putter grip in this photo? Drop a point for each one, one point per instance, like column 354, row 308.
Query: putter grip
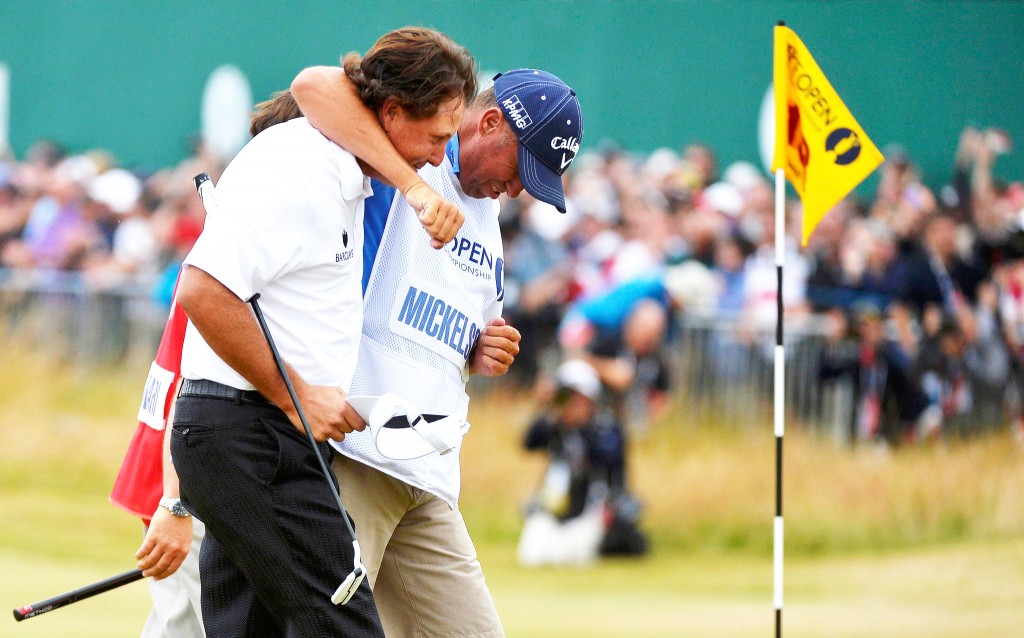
column 204, row 186
column 43, row 606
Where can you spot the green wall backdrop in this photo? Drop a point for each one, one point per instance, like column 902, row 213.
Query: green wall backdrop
column 128, row 76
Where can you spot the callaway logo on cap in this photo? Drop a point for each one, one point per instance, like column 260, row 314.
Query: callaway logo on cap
column 546, row 117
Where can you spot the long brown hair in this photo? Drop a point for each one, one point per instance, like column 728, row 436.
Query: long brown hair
column 281, row 107
column 422, row 68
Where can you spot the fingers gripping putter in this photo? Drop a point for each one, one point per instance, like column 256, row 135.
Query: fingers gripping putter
column 351, row 583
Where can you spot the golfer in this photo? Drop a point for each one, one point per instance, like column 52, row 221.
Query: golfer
column 290, row 229
column 431, row 317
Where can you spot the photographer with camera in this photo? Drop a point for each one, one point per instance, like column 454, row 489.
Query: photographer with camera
column 582, row 508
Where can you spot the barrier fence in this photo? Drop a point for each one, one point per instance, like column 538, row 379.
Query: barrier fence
column 723, row 373
column 78, row 319
column 721, row 368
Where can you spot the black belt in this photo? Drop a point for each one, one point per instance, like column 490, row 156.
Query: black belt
column 214, row 390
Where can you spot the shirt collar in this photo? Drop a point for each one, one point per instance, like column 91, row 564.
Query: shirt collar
column 453, row 153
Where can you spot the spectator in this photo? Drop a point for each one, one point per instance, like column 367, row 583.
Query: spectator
column 586, row 475
column 882, row 275
column 731, row 253
column 936, row 273
column 133, row 247
column 15, row 206
column 970, row 369
column 58, row 234
column 727, row 348
column 761, row 278
column 699, row 167
column 888, row 404
column 902, row 202
column 1011, row 319
column 538, row 284
column 975, row 190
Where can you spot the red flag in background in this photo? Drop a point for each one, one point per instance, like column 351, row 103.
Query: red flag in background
column 139, row 483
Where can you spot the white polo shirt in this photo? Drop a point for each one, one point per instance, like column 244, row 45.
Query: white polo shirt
column 289, row 226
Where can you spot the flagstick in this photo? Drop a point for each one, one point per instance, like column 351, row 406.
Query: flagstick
column 780, row 378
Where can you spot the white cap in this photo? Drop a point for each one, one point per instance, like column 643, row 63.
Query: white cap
column 742, row 175
column 117, row 188
column 661, row 162
column 723, row 197
column 692, row 285
column 579, row 376
column 77, row 168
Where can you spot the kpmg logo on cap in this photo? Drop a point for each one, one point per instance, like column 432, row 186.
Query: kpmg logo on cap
column 517, row 111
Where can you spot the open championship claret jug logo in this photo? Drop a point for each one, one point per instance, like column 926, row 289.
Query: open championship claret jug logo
column 845, row 144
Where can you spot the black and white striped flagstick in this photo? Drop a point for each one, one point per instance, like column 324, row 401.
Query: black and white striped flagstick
column 780, row 390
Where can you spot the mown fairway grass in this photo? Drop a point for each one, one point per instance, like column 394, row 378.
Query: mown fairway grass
column 925, row 542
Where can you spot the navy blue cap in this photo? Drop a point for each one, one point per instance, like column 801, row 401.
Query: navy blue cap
column 546, row 117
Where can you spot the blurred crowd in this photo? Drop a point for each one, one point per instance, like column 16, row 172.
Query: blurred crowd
column 920, row 291
column 84, row 215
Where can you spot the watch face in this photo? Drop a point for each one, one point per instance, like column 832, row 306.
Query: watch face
column 174, row 506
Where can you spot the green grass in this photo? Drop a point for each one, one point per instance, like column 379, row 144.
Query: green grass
column 959, row 591
column 925, row 542
column 714, row 488
column 952, row 591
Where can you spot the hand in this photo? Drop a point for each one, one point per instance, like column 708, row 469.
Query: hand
column 971, row 140
column 328, row 413
column 441, row 218
column 496, row 349
column 166, row 544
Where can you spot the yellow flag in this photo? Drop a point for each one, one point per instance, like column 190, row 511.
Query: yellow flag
column 821, row 148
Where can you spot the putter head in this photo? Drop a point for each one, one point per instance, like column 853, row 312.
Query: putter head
column 352, row 582
column 349, row 586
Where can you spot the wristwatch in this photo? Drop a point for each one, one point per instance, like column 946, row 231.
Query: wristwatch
column 174, row 506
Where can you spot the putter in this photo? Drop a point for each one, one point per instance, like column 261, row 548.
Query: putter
column 351, row 583
column 62, row 600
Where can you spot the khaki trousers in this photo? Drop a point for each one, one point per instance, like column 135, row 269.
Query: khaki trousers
column 420, row 560
column 177, row 610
